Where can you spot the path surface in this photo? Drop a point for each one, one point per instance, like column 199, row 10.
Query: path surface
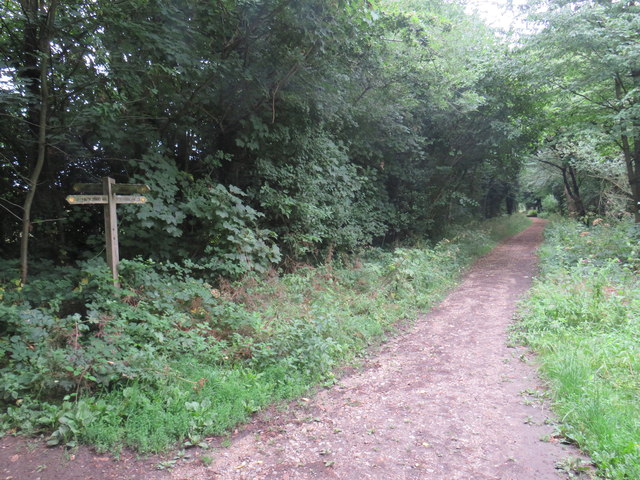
column 442, row 401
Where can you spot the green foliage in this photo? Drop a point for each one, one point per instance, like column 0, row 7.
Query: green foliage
column 582, row 317
column 201, row 219
column 333, row 125
column 550, row 204
column 169, row 358
column 317, row 198
column 583, row 62
column 606, row 241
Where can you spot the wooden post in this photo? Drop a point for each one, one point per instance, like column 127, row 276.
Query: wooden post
column 111, row 229
column 109, row 197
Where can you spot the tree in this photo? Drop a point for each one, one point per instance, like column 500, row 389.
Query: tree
column 329, row 125
column 587, row 54
column 558, row 158
column 38, row 32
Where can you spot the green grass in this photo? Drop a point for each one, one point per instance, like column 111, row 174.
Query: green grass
column 583, row 317
column 169, row 359
column 152, row 419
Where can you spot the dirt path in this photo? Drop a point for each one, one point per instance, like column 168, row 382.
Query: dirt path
column 443, row 401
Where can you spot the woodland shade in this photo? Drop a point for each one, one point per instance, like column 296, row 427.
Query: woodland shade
column 283, row 131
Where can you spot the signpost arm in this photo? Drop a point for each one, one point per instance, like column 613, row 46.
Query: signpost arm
column 111, row 228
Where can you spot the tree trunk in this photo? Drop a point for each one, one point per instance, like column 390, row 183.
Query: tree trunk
column 634, row 178
column 632, row 161
column 43, row 48
column 635, row 183
column 631, row 150
column 572, row 191
column 510, row 203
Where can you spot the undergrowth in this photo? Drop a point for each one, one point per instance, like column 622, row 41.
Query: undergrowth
column 583, row 317
column 170, row 358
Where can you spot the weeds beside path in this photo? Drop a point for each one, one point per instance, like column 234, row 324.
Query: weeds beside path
column 442, row 401
column 582, row 318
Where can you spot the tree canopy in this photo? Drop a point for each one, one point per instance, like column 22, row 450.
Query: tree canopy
column 281, row 131
column 585, row 61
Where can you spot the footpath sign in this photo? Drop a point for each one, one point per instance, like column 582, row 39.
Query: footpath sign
column 109, row 193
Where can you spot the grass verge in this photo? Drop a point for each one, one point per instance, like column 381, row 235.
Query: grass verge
column 583, row 318
column 169, row 359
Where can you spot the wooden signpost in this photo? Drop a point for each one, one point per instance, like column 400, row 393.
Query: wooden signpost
column 107, row 194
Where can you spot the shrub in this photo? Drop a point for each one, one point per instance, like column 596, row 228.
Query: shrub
column 550, row 204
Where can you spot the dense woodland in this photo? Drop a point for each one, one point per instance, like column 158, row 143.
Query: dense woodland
column 317, row 171
column 274, row 131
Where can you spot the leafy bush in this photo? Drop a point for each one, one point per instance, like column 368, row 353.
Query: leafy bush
column 199, row 219
column 611, row 240
column 118, row 335
column 550, row 204
column 316, row 198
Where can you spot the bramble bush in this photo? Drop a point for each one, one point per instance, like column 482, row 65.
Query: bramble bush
column 170, row 358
